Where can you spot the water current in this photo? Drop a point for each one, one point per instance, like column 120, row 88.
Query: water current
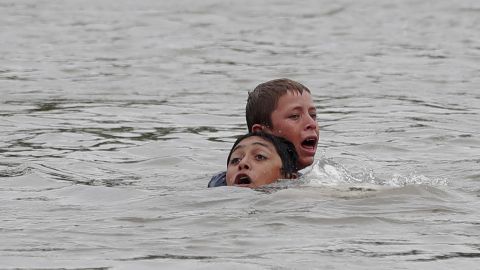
column 115, row 114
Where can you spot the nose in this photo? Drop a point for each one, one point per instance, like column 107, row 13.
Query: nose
column 311, row 123
column 244, row 164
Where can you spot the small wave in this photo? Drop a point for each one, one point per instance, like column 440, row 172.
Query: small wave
column 100, row 177
column 169, row 256
column 452, row 255
column 326, row 172
column 332, row 179
column 14, row 169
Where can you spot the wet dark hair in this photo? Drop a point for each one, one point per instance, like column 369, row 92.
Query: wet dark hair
column 262, row 101
column 284, row 148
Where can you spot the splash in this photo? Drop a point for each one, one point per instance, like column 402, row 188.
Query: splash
column 415, row 179
column 327, row 172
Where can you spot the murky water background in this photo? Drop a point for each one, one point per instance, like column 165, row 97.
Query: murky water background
column 115, row 114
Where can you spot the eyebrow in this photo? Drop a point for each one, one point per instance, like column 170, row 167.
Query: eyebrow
column 257, row 143
column 299, row 107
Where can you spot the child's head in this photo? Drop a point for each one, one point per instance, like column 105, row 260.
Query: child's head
column 285, row 108
column 259, row 158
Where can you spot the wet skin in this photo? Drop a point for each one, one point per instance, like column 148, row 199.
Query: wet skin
column 254, row 162
column 295, row 119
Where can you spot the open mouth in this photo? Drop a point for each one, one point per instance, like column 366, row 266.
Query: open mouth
column 243, row 179
column 310, row 143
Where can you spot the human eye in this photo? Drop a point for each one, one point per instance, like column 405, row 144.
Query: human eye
column 294, row 116
column 313, row 115
column 234, row 161
column 260, row 157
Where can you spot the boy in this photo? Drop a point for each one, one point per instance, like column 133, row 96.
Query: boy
column 283, row 108
column 259, row 158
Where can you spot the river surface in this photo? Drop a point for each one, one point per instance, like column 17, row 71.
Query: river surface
column 115, row 114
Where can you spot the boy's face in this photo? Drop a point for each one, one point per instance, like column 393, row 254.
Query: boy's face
column 295, row 119
column 254, row 162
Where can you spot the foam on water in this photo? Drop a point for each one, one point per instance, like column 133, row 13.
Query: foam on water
column 327, row 172
column 331, row 179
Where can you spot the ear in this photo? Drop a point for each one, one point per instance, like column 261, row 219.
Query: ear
column 257, row 128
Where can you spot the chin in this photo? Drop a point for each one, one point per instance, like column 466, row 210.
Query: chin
column 305, row 162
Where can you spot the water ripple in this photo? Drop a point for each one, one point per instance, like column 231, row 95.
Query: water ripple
column 14, row 170
column 169, row 256
column 448, row 256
